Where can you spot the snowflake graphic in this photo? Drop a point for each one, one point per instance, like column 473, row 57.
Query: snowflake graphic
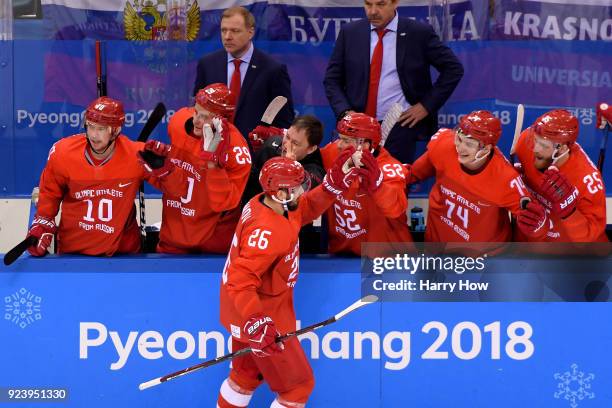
column 22, row 308
column 574, row 386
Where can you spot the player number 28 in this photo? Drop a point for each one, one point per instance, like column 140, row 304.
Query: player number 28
column 466, row 340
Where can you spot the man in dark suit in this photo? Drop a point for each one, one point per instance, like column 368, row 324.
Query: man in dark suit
column 250, row 73
column 383, row 60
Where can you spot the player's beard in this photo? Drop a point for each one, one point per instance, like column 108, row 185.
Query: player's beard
column 541, row 163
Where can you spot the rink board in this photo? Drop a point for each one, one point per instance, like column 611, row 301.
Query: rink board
column 75, row 313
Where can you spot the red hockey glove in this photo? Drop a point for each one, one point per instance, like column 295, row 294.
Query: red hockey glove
column 217, row 150
column 532, row 220
column 604, row 115
column 562, row 195
column 341, row 174
column 371, row 176
column 262, row 336
column 154, row 158
column 260, row 134
column 43, row 229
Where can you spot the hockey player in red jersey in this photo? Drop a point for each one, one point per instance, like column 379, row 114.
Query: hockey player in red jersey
column 200, row 205
column 374, row 208
column 562, row 178
column 258, row 279
column 95, row 177
column 475, row 185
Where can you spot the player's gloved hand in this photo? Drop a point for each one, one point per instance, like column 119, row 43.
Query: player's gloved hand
column 154, row 158
column 262, row 336
column 562, row 195
column 219, row 135
column 604, row 115
column 342, row 173
column 260, row 134
column 43, row 230
column 371, row 176
column 532, row 219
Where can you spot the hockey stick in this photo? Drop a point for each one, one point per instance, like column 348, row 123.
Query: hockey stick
column 101, row 68
column 361, row 302
column 520, row 116
column 156, row 116
column 272, row 110
column 604, row 141
column 12, row 255
column 389, row 121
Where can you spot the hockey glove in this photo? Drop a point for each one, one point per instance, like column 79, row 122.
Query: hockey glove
column 604, row 115
column 531, row 220
column 260, row 134
column 154, row 158
column 562, row 195
column 341, row 174
column 371, row 176
column 43, row 229
column 262, row 336
column 219, row 136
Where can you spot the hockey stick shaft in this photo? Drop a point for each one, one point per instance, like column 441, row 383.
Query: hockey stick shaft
column 602, row 149
column 520, row 116
column 12, row 255
column 156, row 116
column 100, row 69
column 361, row 302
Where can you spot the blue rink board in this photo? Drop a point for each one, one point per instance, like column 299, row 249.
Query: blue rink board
column 170, row 295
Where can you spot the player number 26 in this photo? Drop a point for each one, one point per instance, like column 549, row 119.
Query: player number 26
column 259, row 238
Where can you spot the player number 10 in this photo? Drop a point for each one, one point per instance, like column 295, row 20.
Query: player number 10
column 466, row 340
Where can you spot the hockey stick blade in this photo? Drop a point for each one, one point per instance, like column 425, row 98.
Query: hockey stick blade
column 156, row 116
column 12, row 255
column 389, row 121
column 156, row 381
column 518, row 127
column 272, row 110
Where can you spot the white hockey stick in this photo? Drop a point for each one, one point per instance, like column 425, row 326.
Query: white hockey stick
column 389, row 121
column 361, row 302
column 520, row 116
column 272, row 110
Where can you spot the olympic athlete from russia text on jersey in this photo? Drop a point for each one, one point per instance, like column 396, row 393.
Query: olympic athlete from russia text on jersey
column 563, row 179
column 259, row 276
column 200, row 206
column 475, row 185
column 95, row 177
column 374, row 208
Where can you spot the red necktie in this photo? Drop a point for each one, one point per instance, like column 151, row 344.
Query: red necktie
column 235, row 82
column 375, row 68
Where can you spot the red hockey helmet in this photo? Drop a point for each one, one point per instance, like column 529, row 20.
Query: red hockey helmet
column 105, row 111
column 218, row 99
column 281, row 172
column 360, row 126
column 558, row 126
column 481, row 125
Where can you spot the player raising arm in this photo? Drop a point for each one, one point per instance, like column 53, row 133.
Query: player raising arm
column 374, row 208
column 258, row 279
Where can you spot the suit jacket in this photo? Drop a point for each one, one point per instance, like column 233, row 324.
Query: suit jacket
column 418, row 48
column 264, row 80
